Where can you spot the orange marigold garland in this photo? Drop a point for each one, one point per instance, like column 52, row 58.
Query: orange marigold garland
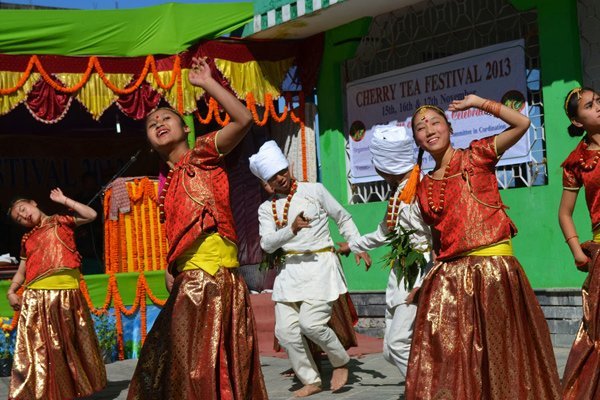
column 123, row 248
column 300, row 120
column 209, row 114
column 135, row 234
column 273, row 113
column 147, row 236
column 286, row 206
column 251, row 105
column 149, row 61
column 155, row 241
column 113, row 295
column 86, row 295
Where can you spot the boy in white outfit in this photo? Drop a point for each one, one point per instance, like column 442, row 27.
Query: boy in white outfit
column 392, row 149
column 310, row 278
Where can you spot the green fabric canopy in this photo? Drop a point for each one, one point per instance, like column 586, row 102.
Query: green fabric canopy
column 166, row 29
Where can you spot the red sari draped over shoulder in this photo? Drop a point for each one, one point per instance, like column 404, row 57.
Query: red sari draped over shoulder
column 57, row 354
column 581, row 379
column 479, row 331
column 203, row 344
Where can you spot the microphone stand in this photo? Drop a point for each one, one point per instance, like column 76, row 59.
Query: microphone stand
column 103, row 189
column 120, row 172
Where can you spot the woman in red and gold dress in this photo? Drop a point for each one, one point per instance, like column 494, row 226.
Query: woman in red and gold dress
column 203, row 344
column 581, row 380
column 56, row 353
column 479, row 331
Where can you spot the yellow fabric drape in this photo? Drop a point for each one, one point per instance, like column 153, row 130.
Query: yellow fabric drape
column 63, row 279
column 9, row 79
column 95, row 96
column 596, row 237
column 191, row 93
column 503, row 248
column 209, row 253
column 256, row 77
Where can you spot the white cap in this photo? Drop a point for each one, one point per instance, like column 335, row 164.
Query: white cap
column 268, row 161
column 392, row 149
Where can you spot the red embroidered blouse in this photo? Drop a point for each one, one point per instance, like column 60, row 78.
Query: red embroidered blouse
column 197, row 198
column 473, row 214
column 575, row 176
column 50, row 247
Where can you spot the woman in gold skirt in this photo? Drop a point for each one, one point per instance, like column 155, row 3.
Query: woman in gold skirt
column 479, row 331
column 56, row 353
column 203, row 344
column 581, row 380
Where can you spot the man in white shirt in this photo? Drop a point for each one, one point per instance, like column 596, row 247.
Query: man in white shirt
column 392, row 149
column 310, row 278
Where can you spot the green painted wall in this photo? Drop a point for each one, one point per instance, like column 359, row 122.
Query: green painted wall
column 539, row 245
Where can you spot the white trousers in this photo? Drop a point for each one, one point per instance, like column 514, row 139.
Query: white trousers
column 399, row 323
column 294, row 321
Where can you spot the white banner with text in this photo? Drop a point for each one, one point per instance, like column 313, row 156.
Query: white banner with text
column 496, row 72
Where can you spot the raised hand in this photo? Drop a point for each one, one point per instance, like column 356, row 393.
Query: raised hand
column 465, row 103
column 200, row 73
column 57, row 196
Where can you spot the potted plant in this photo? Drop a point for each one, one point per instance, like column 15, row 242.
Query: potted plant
column 6, row 348
column 107, row 336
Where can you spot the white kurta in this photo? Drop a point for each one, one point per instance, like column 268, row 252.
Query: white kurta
column 316, row 276
column 399, row 316
column 409, row 218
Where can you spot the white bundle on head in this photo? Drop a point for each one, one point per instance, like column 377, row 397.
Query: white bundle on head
column 268, row 161
column 392, row 149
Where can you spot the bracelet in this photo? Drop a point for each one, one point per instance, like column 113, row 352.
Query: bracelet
column 581, row 264
column 491, row 107
column 570, row 237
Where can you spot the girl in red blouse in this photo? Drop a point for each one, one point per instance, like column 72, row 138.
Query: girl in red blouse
column 581, row 379
column 56, row 353
column 203, row 344
column 479, row 331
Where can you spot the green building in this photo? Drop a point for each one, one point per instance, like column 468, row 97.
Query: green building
column 365, row 39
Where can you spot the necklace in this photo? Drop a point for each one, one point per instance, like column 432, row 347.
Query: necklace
column 163, row 193
column 286, row 207
column 393, row 210
column 34, row 229
column 438, row 208
column 592, row 165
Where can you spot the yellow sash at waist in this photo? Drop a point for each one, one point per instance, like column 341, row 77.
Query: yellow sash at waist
column 503, row 248
column 329, row 249
column 64, row 279
column 209, row 253
column 596, row 237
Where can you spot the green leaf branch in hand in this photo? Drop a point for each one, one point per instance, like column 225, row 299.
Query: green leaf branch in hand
column 405, row 260
column 272, row 260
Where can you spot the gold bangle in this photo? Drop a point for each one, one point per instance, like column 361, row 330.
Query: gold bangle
column 491, row 107
column 570, row 237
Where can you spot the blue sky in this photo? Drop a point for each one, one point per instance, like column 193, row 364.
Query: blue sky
column 111, row 4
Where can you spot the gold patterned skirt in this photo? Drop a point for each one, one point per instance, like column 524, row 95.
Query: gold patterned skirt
column 480, row 334
column 56, row 353
column 581, row 380
column 203, row 344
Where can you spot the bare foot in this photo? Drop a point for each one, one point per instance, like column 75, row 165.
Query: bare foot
column 307, row 390
column 339, row 378
column 287, row 372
